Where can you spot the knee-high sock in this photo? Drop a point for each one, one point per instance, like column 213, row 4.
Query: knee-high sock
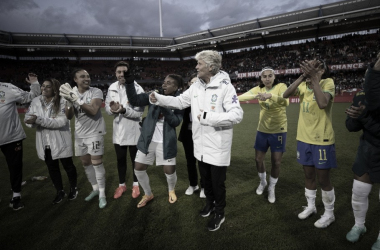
column 360, row 192
column 272, row 182
column 310, row 197
column 263, row 178
column 143, row 178
column 328, row 198
column 90, row 172
column 172, row 180
column 100, row 174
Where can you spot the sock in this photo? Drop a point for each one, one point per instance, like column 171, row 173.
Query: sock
column 263, row 178
column 135, row 183
column 328, row 198
column 310, row 197
column 120, row 185
column 272, row 182
column 102, row 192
column 359, row 201
column 16, row 195
column 90, row 172
column 143, row 178
column 100, row 174
column 95, row 187
column 172, row 180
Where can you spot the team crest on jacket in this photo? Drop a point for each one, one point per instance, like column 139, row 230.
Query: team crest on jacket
column 214, row 97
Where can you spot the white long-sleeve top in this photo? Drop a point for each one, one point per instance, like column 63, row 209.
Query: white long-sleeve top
column 219, row 107
column 126, row 128
column 51, row 129
column 11, row 128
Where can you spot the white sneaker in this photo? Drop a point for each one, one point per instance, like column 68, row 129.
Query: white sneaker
column 190, row 190
column 202, row 194
column 307, row 211
column 271, row 196
column 324, row 221
column 261, row 187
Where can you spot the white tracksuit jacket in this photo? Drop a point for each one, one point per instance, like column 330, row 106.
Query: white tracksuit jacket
column 52, row 129
column 126, row 128
column 212, row 135
column 10, row 125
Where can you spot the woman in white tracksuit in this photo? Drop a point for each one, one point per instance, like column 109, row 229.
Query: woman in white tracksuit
column 126, row 127
column 53, row 137
column 215, row 108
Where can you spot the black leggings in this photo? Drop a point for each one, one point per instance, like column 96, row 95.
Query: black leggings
column 13, row 156
column 121, row 155
column 55, row 173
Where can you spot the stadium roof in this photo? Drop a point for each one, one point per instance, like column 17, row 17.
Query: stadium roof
column 330, row 19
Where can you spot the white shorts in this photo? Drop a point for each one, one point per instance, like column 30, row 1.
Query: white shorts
column 155, row 151
column 91, row 146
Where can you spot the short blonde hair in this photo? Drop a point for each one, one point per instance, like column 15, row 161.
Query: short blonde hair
column 212, row 59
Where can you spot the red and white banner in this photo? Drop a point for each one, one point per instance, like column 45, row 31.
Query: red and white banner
column 298, row 70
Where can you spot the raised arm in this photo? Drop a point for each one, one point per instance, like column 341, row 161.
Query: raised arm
column 313, row 71
column 173, row 102
column 292, row 89
column 22, row 96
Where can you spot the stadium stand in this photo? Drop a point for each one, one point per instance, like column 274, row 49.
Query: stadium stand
column 345, row 50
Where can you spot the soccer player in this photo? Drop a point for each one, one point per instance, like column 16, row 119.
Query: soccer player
column 215, row 109
column 126, row 128
column 158, row 139
column 186, row 137
column 272, row 128
column 315, row 136
column 85, row 102
column 12, row 132
column 53, row 137
column 364, row 114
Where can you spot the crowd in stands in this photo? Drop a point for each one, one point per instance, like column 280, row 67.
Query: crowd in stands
column 348, row 49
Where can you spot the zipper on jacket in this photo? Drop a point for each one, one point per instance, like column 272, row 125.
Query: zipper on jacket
column 202, row 126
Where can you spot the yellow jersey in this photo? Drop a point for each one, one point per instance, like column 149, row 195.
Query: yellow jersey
column 272, row 111
column 315, row 124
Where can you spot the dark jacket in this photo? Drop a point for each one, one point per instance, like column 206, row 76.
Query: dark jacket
column 172, row 119
column 183, row 135
column 372, row 88
column 369, row 121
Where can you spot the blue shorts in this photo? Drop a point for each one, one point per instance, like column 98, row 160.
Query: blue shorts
column 276, row 142
column 319, row 156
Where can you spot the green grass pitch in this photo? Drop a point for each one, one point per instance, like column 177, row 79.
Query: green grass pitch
column 251, row 221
